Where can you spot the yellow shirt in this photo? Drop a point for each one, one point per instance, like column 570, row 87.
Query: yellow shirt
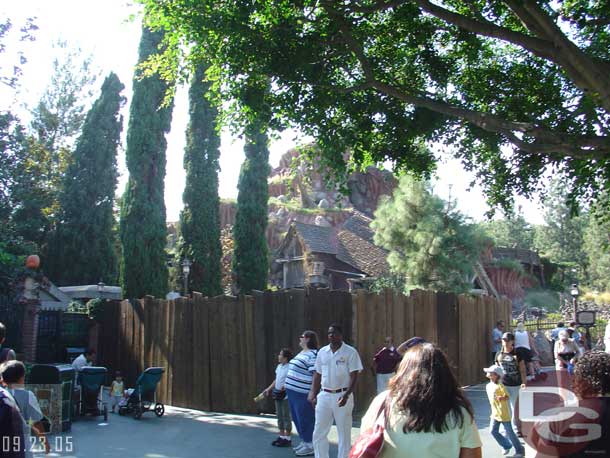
column 397, row 444
column 117, row 388
column 500, row 410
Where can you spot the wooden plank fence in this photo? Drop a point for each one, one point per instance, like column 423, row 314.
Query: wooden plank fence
column 219, row 352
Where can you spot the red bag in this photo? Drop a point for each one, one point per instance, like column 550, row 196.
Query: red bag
column 370, row 443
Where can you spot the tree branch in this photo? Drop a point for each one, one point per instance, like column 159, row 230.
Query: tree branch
column 539, row 47
column 588, row 74
column 547, row 142
column 548, row 42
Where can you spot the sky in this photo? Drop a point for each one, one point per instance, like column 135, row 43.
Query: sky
column 103, row 29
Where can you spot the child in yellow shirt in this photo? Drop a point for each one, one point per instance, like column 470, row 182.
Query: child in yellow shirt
column 117, row 390
column 500, row 412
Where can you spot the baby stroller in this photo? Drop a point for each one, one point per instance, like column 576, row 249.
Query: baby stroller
column 91, row 381
column 143, row 396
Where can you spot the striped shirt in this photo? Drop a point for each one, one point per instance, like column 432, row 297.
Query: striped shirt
column 300, row 371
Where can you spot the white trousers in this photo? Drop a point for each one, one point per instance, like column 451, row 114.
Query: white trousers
column 382, row 381
column 328, row 410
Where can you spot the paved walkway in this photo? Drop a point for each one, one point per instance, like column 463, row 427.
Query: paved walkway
column 184, row 433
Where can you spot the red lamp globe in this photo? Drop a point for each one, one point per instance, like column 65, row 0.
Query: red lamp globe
column 32, row 261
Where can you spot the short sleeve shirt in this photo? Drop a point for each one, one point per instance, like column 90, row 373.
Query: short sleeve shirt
column 281, row 371
column 398, row 444
column 510, row 364
column 496, row 334
column 335, row 368
column 28, row 405
column 117, row 388
column 500, row 410
column 386, row 360
column 300, row 371
column 79, row 363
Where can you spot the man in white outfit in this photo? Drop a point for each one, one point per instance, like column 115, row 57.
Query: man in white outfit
column 334, row 380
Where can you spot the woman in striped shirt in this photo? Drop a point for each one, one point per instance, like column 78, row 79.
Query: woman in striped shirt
column 298, row 383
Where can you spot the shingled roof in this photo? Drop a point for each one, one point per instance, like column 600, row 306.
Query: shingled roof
column 317, row 239
column 353, row 244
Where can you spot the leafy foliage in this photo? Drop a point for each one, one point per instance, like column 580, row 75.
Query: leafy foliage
column 200, row 219
column 597, row 247
column 228, row 247
column 10, row 77
column 430, row 244
column 518, row 89
column 82, row 248
column 142, row 229
column 251, row 253
column 511, row 232
column 34, row 160
column 561, row 237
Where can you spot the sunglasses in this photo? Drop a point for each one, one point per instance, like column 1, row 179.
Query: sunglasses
column 414, row 341
column 303, row 336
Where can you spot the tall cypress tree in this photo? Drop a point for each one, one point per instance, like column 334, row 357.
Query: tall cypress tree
column 143, row 228
column 200, row 220
column 83, row 245
column 250, row 260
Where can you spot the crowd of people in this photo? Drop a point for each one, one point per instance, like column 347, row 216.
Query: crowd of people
column 21, row 427
column 419, row 403
column 423, row 407
column 420, row 406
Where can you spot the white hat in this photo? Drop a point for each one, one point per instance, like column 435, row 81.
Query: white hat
column 495, row 369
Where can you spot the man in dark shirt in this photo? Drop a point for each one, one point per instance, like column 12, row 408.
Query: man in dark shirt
column 384, row 364
column 12, row 443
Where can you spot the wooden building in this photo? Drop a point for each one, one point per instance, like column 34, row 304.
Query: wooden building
column 340, row 258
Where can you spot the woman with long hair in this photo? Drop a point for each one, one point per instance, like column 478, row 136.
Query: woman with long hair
column 425, row 412
column 298, row 383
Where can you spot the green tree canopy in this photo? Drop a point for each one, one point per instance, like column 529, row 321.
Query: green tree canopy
column 200, row 219
column 250, row 258
column 44, row 150
column 142, row 226
column 560, row 238
column 518, row 88
column 431, row 244
column 513, row 231
column 82, row 250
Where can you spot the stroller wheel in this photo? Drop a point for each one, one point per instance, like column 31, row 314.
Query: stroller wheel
column 159, row 409
column 137, row 411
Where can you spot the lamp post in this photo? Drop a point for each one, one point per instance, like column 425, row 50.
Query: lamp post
column 186, row 269
column 575, row 292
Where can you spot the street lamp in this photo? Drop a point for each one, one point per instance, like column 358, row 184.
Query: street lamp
column 186, row 269
column 575, row 292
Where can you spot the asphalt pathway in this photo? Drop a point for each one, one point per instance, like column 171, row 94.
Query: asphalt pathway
column 184, row 433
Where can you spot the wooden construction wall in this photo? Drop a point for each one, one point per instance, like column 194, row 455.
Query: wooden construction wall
column 220, row 352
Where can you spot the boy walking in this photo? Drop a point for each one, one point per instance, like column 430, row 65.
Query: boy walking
column 500, row 412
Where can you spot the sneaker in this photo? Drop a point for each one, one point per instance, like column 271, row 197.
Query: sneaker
column 277, row 442
column 284, row 443
column 305, row 451
column 298, row 447
column 518, row 455
column 506, row 451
